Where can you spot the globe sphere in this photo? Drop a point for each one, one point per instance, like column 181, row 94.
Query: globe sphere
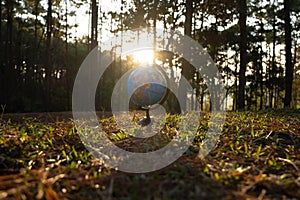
column 146, row 85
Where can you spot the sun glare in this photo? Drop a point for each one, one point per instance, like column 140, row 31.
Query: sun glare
column 144, row 56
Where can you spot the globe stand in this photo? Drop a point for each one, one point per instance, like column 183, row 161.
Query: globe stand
column 146, row 120
column 147, row 86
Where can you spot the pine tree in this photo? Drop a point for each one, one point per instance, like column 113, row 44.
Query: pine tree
column 243, row 53
column 288, row 55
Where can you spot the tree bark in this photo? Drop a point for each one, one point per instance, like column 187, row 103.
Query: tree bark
column 243, row 54
column 288, row 55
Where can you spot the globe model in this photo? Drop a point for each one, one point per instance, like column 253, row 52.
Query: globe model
column 146, row 85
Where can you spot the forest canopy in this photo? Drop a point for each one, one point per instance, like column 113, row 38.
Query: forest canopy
column 255, row 45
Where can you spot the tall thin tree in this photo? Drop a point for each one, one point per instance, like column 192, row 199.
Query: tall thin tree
column 48, row 53
column 8, row 71
column 243, row 54
column 288, row 54
column 94, row 28
column 186, row 65
column 1, row 54
column 9, row 26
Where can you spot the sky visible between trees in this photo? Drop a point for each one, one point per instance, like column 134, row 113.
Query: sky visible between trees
column 44, row 42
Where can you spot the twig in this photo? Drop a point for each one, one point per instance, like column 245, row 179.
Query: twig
column 269, row 134
column 290, row 162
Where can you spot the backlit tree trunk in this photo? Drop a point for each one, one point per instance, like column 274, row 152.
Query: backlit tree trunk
column 186, row 65
column 243, row 54
column 94, row 28
column 1, row 54
column 48, row 57
column 288, row 55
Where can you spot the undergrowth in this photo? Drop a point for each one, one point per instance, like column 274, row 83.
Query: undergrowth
column 256, row 157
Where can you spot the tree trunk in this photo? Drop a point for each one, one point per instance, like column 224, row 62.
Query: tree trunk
column 288, row 55
column 1, row 59
column 295, row 95
column 8, row 70
column 36, row 22
column 273, row 69
column 68, row 67
column 1, row 54
column 9, row 26
column 48, row 56
column 94, row 28
column 234, row 100
column 261, row 70
column 185, row 65
column 243, row 54
column 154, row 27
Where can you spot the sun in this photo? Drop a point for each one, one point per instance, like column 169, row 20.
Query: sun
column 143, row 56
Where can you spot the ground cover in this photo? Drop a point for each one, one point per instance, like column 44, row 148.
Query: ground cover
column 256, row 157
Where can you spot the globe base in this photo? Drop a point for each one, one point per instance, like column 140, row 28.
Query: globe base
column 146, row 121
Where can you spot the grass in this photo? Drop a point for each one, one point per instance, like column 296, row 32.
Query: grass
column 256, row 157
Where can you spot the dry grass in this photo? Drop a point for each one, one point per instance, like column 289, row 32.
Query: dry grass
column 257, row 157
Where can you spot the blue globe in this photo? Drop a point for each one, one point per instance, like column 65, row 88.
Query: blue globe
column 147, row 86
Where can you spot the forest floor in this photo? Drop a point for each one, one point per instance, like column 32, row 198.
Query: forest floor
column 256, row 157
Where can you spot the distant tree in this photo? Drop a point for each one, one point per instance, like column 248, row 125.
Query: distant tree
column 2, row 89
column 94, row 28
column 288, row 55
column 1, row 65
column 295, row 11
column 186, row 72
column 48, row 55
column 265, row 79
column 7, row 64
column 33, row 28
column 243, row 53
